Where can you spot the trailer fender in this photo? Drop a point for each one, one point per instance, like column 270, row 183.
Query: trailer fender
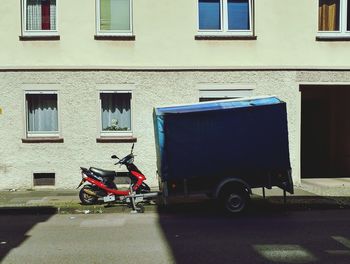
column 233, row 181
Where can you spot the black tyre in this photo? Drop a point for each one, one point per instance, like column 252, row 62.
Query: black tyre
column 87, row 198
column 140, row 208
column 234, row 200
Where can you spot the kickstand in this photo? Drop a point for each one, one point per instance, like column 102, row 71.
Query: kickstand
column 132, row 202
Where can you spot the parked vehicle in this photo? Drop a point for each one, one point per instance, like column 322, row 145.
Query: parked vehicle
column 223, row 149
column 100, row 184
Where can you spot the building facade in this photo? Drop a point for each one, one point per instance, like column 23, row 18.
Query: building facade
column 79, row 79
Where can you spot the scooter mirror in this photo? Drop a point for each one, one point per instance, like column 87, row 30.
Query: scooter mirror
column 114, row 157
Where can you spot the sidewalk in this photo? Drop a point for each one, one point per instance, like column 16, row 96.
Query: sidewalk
column 315, row 193
column 61, row 201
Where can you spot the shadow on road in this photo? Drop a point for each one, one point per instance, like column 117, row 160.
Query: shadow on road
column 306, row 230
column 15, row 223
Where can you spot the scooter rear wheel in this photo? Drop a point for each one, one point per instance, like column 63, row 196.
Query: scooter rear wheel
column 86, row 198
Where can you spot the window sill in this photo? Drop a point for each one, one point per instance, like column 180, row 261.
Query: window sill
column 121, row 38
column 116, row 140
column 39, row 38
column 43, row 140
column 223, row 37
column 335, row 38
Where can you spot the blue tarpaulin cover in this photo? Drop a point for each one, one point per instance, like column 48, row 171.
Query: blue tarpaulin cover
column 204, row 139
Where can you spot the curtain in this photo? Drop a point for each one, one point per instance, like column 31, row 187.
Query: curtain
column 41, row 14
column 115, row 14
column 42, row 113
column 53, row 14
column 328, row 15
column 33, row 14
column 116, row 112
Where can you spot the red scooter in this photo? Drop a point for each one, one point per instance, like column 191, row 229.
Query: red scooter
column 100, row 184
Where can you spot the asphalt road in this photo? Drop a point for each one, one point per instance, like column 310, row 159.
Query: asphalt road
column 191, row 235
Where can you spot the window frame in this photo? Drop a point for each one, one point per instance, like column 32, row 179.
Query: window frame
column 100, row 32
column 343, row 31
column 224, row 22
column 225, row 90
column 103, row 133
column 36, row 33
column 54, row 134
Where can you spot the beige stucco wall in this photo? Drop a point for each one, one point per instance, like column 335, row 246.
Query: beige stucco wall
column 79, row 115
column 165, row 33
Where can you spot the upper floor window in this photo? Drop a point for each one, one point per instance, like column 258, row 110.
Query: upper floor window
column 333, row 17
column 39, row 17
column 227, row 17
column 114, row 17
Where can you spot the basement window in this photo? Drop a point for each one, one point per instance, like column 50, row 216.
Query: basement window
column 44, row 179
column 206, row 95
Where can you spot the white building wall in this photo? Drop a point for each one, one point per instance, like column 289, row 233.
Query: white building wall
column 165, row 39
column 79, row 115
column 165, row 31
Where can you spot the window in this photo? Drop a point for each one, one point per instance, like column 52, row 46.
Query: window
column 206, row 95
column 41, row 114
column 116, row 113
column 333, row 18
column 39, row 17
column 226, row 17
column 43, row 179
column 114, row 17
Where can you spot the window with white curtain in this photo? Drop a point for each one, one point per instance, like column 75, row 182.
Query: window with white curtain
column 39, row 16
column 114, row 17
column 116, row 113
column 42, row 113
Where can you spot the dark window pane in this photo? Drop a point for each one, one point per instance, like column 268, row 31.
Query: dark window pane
column 238, row 14
column 328, row 15
column 44, row 179
column 209, row 14
column 348, row 17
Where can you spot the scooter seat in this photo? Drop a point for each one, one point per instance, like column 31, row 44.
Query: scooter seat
column 103, row 173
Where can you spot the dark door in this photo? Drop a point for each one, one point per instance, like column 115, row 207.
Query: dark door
column 325, row 131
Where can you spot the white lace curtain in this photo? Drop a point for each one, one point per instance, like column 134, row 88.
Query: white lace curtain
column 116, row 112
column 38, row 11
column 42, row 113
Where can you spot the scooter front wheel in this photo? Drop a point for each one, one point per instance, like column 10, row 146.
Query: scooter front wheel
column 86, row 197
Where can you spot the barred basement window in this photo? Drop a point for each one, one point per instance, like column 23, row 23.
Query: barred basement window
column 44, row 179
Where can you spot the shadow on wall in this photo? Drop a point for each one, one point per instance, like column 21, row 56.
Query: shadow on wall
column 15, row 223
column 268, row 232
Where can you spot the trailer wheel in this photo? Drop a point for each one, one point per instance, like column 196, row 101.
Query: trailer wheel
column 140, row 208
column 234, row 200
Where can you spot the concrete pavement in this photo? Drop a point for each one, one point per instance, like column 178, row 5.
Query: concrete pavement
column 311, row 192
column 269, row 235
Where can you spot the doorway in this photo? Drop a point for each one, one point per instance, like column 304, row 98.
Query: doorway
column 325, row 131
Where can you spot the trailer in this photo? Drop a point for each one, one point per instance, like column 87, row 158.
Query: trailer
column 223, row 149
